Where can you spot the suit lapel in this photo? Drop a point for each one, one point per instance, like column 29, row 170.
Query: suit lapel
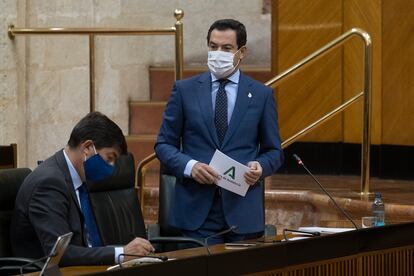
column 63, row 166
column 206, row 106
column 240, row 107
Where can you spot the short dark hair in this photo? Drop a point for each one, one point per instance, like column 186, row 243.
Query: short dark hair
column 225, row 24
column 101, row 130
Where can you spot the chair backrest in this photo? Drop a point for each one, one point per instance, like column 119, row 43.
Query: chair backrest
column 8, row 156
column 165, row 230
column 116, row 206
column 166, row 196
column 10, row 182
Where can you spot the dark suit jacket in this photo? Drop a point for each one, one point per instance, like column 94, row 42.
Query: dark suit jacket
column 47, row 207
column 188, row 132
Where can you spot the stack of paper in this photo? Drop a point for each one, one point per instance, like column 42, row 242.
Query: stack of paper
column 325, row 230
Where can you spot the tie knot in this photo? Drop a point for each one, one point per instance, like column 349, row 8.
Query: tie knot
column 223, row 82
column 82, row 188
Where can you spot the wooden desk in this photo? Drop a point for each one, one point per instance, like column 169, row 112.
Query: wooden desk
column 387, row 250
column 180, row 254
column 81, row 270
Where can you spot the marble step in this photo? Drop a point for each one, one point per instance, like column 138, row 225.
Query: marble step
column 162, row 78
column 145, row 117
column 141, row 146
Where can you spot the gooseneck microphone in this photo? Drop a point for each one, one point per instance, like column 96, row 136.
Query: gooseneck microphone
column 232, row 228
column 161, row 257
column 299, row 161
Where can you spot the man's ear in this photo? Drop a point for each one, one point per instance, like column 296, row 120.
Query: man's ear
column 86, row 147
column 243, row 52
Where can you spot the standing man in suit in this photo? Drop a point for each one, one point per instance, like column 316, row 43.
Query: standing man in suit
column 53, row 199
column 226, row 110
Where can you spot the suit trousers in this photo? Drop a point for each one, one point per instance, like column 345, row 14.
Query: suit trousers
column 216, row 222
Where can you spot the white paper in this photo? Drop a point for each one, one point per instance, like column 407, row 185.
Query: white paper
column 296, row 238
column 135, row 262
column 325, row 230
column 231, row 173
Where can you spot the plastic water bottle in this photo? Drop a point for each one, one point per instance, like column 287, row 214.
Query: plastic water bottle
column 378, row 210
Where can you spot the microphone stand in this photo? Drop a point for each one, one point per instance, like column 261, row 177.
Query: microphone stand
column 299, row 161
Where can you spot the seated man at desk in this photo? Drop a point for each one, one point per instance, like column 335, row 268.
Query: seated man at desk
column 53, row 199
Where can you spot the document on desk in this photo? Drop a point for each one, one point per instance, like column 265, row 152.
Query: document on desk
column 231, row 173
column 135, row 262
column 325, row 230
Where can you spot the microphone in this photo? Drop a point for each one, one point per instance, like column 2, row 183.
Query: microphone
column 299, row 161
column 232, row 228
column 161, row 257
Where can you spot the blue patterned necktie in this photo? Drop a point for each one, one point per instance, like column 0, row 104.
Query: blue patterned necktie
column 220, row 116
column 91, row 229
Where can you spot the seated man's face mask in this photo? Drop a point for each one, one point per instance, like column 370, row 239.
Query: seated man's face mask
column 96, row 168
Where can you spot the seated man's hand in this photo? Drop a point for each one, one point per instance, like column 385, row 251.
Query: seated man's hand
column 138, row 246
column 203, row 173
column 254, row 174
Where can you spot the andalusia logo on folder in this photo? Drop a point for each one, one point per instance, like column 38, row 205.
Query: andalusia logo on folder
column 231, row 173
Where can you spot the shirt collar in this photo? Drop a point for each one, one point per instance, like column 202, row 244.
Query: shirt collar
column 233, row 78
column 76, row 180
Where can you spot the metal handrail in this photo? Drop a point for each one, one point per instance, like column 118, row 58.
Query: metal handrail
column 176, row 30
column 140, row 176
column 366, row 133
column 321, row 120
column 366, row 139
column 13, row 31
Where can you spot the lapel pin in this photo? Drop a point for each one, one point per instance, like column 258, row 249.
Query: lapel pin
column 249, row 95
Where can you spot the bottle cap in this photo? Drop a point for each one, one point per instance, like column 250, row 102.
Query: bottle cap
column 377, row 194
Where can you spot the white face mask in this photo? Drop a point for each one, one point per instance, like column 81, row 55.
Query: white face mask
column 221, row 63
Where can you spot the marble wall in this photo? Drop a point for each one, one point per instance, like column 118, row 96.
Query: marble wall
column 44, row 80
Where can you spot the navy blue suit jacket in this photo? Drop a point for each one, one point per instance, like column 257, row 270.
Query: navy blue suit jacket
column 47, row 207
column 188, row 132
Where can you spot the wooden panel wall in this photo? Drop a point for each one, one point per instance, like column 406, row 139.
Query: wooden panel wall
column 315, row 90
column 364, row 14
column 398, row 72
column 301, row 26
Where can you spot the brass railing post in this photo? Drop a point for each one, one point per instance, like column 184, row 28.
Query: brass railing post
column 179, row 44
column 366, row 136
column 91, row 72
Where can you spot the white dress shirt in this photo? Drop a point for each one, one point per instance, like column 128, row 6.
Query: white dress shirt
column 231, row 92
